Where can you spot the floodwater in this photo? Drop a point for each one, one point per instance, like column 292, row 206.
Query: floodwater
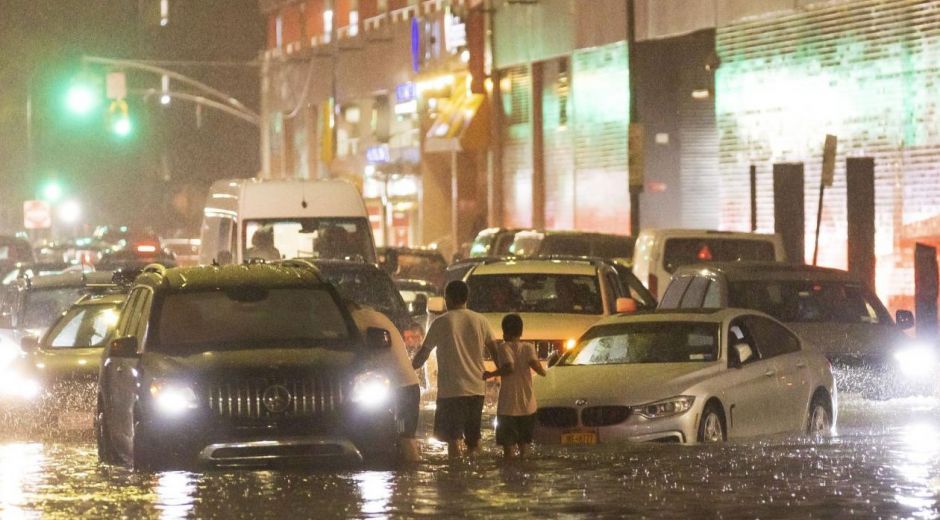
column 884, row 463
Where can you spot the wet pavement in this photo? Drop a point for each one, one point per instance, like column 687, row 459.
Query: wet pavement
column 884, row 463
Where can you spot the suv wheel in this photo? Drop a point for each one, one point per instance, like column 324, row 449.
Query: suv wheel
column 105, row 451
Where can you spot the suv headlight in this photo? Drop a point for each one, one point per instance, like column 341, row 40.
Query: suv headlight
column 916, row 360
column 665, row 408
column 12, row 385
column 371, row 390
column 172, row 398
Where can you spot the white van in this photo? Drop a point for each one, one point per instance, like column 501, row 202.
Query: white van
column 275, row 219
column 659, row 252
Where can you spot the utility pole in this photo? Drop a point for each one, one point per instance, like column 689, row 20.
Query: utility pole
column 635, row 135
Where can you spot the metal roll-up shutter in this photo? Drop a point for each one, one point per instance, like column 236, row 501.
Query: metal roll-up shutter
column 600, row 83
column 866, row 71
column 700, row 182
column 517, row 147
column 559, row 148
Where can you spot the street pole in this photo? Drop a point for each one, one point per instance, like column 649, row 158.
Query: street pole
column 635, row 187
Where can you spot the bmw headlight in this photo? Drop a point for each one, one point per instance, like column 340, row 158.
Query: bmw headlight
column 665, row 408
column 916, row 360
column 371, row 390
column 172, row 398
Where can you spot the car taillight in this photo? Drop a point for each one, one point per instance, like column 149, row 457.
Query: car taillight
column 653, row 284
column 145, row 248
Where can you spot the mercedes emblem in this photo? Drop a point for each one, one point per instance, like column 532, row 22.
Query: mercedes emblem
column 276, row 398
column 581, row 402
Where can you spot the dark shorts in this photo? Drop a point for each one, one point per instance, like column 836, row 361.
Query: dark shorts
column 459, row 417
column 409, row 401
column 514, row 429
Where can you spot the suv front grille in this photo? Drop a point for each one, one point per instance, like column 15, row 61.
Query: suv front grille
column 604, row 415
column 558, row 417
column 268, row 397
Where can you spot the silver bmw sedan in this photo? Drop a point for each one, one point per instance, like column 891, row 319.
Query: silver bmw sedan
column 689, row 377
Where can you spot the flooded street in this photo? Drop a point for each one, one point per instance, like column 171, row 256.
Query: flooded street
column 885, row 462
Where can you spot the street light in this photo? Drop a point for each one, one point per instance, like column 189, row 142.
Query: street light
column 70, row 212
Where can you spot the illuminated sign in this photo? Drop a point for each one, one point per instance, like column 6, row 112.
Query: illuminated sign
column 405, row 92
column 378, row 154
column 455, row 32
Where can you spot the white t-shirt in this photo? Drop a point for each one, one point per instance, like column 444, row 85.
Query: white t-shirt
column 515, row 390
column 460, row 337
column 394, row 362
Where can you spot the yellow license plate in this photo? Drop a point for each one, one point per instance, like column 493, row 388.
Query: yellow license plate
column 579, row 438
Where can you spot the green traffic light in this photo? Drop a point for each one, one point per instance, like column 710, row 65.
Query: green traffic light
column 122, row 126
column 82, row 99
column 52, row 191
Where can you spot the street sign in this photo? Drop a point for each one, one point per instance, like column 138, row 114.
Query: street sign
column 829, row 161
column 37, row 214
column 116, row 85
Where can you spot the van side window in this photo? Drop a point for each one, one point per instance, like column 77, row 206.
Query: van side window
column 695, row 294
column 674, row 293
column 712, row 296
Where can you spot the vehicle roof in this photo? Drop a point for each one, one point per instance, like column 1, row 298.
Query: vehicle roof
column 332, row 264
column 287, row 198
column 662, row 316
column 182, row 279
column 591, row 234
column 695, row 233
column 412, row 251
column 415, row 284
column 746, row 271
column 537, row 265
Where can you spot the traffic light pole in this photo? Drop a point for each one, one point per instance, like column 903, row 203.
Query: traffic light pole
column 231, row 105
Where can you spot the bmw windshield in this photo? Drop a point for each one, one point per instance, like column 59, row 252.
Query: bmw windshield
column 651, row 342
column 247, row 318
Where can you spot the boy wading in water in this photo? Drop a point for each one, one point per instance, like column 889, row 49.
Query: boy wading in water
column 515, row 412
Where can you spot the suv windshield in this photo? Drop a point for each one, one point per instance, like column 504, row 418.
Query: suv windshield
column 809, row 301
column 248, row 317
column 84, row 326
column 274, row 239
column 685, row 251
column 530, row 292
column 43, row 306
column 656, row 342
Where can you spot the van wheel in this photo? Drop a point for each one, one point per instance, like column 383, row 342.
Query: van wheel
column 711, row 429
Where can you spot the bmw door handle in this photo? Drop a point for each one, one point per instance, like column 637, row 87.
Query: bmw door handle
column 770, row 373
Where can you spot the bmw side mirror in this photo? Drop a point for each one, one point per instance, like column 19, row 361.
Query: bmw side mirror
column 436, row 305
column 29, row 343
column 378, row 339
column 125, row 347
column 904, row 319
column 553, row 359
column 743, row 353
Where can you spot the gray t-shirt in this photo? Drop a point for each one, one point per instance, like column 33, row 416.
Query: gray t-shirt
column 460, row 337
column 515, row 390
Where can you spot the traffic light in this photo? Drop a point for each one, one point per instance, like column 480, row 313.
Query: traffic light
column 82, row 98
column 51, row 191
column 121, row 124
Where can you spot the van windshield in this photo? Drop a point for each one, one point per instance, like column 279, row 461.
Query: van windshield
column 320, row 237
column 684, row 251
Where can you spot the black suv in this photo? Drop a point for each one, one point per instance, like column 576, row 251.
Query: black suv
column 241, row 365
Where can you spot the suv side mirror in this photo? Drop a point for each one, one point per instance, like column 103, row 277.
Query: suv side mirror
column 626, row 305
column 390, row 262
column 29, row 343
column 904, row 319
column 125, row 347
column 378, row 339
column 436, row 305
column 741, row 354
column 419, row 306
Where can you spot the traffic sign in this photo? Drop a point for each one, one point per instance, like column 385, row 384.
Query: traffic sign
column 37, row 214
column 116, row 85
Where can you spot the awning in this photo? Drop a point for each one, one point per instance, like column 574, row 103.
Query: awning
column 461, row 125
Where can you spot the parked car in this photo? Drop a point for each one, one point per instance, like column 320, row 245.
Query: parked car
column 184, row 250
column 136, row 258
column 413, row 264
column 492, row 242
column 241, row 365
column 14, row 250
column 829, row 308
column 32, row 304
column 573, row 243
column 52, row 386
column 659, row 252
column 698, row 376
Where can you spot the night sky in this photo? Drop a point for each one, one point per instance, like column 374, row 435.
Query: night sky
column 173, row 150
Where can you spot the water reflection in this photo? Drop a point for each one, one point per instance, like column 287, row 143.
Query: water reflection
column 920, row 445
column 20, row 471
column 375, row 489
column 175, row 494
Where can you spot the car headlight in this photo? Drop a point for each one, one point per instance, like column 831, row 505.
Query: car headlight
column 12, row 385
column 916, row 360
column 371, row 390
column 172, row 398
column 666, row 407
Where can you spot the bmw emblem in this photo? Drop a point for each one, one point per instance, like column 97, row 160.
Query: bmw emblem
column 276, row 398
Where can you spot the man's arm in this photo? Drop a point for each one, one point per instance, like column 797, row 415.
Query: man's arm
column 491, row 346
column 504, row 370
column 422, row 355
